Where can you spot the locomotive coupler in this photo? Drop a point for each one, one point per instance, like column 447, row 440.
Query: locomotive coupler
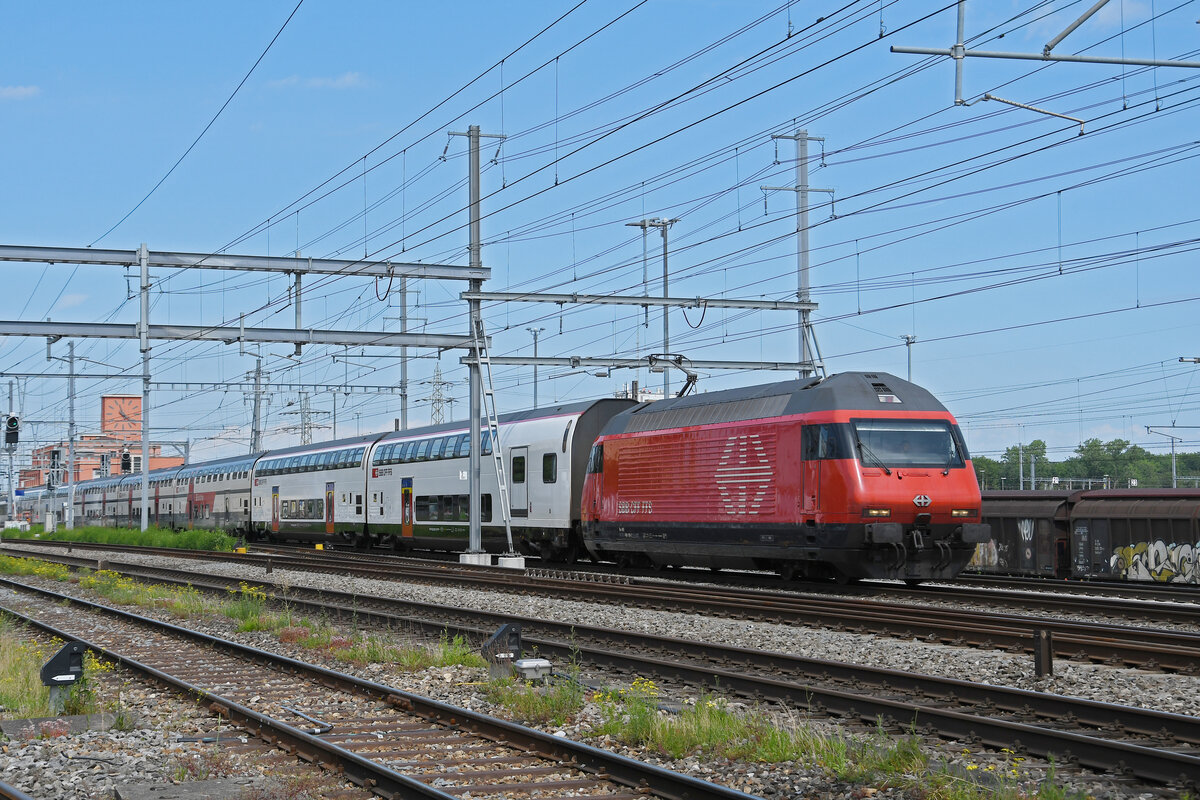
column 918, row 541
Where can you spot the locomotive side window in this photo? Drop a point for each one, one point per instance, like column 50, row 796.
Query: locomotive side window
column 518, row 469
column 596, row 459
column 826, row 441
column 549, row 468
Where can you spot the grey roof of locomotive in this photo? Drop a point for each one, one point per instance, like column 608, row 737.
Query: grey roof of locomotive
column 845, row 390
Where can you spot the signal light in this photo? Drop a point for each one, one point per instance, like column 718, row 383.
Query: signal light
column 877, row 512
column 126, row 462
column 12, row 429
column 963, row 512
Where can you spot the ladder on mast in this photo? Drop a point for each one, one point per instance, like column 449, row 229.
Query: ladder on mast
column 488, row 392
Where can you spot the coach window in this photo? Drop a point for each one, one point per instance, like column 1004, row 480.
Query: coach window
column 446, row 503
column 436, row 447
column 549, row 468
column 518, row 469
column 422, row 451
column 485, row 443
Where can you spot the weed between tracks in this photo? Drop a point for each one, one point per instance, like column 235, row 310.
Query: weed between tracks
column 249, row 606
column 152, row 537
column 713, row 728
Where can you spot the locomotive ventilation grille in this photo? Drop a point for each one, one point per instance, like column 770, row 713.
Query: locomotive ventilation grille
column 735, row 411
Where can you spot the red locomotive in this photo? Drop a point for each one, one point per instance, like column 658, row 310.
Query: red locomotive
column 858, row 475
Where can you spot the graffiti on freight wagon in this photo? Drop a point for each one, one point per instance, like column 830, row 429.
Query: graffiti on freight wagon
column 1168, row 562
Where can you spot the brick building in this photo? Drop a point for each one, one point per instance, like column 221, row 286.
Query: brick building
column 99, row 455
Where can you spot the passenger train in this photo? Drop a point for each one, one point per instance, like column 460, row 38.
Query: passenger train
column 855, row 475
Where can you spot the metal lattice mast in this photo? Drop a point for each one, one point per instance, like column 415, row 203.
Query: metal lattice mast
column 437, row 399
column 807, row 344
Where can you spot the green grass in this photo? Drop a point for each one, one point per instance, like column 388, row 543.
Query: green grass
column 153, row 537
column 711, row 729
column 21, row 691
column 556, row 703
column 32, row 566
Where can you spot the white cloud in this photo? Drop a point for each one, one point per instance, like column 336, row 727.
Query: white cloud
column 18, row 92
column 347, row 80
column 70, row 301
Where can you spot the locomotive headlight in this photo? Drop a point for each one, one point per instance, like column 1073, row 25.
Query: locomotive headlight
column 963, row 512
column 877, row 512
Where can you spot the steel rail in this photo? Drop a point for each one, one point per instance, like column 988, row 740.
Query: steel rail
column 1111, row 644
column 365, row 772
column 1103, row 643
column 573, row 641
column 436, row 619
column 9, row 792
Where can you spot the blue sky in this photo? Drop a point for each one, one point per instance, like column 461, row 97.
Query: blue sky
column 1049, row 277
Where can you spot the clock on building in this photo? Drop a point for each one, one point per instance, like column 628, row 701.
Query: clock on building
column 121, row 414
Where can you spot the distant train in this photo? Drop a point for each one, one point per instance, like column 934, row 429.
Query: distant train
column 855, row 475
column 1111, row 534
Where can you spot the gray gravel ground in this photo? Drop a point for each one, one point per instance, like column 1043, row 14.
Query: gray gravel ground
column 153, row 750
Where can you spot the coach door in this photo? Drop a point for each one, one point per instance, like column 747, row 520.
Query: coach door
column 191, row 499
column 275, row 509
column 406, row 508
column 518, row 485
column 329, row 508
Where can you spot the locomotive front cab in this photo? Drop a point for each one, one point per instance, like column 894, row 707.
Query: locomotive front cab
column 909, row 498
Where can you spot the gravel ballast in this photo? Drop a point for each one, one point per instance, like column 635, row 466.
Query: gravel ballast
column 461, row 686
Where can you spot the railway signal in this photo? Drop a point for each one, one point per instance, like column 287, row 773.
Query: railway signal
column 12, row 429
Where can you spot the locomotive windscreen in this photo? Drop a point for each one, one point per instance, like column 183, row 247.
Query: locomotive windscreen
column 908, row 443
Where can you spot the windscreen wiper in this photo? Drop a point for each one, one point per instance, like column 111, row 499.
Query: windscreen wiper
column 867, row 452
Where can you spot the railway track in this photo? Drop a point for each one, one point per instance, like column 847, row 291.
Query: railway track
column 8, row 792
column 1115, row 645
column 1148, row 745
column 395, row 743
